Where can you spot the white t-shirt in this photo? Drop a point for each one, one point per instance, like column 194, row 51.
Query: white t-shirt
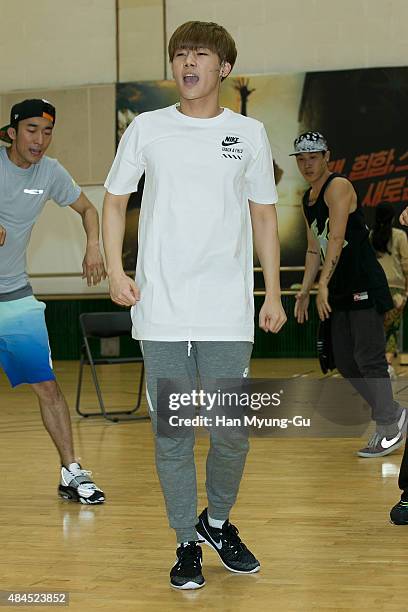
column 195, row 259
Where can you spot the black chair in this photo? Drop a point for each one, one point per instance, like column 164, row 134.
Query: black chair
column 106, row 325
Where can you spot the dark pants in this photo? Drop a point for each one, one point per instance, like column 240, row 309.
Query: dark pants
column 403, row 475
column 359, row 352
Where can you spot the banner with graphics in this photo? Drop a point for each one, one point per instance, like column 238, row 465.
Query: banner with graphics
column 362, row 113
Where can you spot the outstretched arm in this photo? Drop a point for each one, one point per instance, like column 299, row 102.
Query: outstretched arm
column 93, row 268
column 272, row 317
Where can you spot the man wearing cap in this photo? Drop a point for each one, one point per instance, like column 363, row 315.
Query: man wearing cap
column 399, row 512
column 353, row 291
column 28, row 180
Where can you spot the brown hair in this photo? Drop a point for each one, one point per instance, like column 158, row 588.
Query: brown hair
column 209, row 35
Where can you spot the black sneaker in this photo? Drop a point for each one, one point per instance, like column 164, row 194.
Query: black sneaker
column 233, row 553
column 77, row 485
column 186, row 572
column 399, row 513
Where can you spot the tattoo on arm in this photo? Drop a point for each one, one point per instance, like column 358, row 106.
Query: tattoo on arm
column 333, row 267
column 312, row 252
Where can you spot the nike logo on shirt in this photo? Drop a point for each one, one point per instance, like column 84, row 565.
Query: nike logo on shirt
column 229, row 141
column 34, row 191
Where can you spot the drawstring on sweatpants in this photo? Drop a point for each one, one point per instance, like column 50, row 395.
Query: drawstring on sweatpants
column 189, row 347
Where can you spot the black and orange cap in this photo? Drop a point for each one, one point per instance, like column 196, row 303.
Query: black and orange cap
column 26, row 109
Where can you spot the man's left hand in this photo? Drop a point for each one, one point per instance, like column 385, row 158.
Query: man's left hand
column 322, row 303
column 93, row 267
column 272, row 317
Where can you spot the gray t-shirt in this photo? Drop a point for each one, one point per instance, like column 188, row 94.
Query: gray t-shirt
column 23, row 194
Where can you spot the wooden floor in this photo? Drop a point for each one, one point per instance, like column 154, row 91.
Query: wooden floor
column 314, row 514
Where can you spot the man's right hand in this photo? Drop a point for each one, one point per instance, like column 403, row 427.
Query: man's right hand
column 404, row 217
column 2, row 235
column 301, row 306
column 123, row 290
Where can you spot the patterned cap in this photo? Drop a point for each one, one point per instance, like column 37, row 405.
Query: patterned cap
column 310, row 142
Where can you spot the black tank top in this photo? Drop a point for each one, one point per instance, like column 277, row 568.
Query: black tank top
column 358, row 280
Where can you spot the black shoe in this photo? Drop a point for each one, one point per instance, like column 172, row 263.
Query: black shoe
column 186, row 572
column 399, row 513
column 233, row 553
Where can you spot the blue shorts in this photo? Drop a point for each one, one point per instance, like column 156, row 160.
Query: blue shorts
column 24, row 348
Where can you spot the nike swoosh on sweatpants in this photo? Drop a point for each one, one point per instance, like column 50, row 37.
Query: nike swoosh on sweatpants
column 402, row 418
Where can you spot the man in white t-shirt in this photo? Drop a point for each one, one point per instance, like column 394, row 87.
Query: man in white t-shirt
column 209, row 183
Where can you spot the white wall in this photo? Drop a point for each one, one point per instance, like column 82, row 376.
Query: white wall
column 56, row 43
column 141, row 40
column 303, row 35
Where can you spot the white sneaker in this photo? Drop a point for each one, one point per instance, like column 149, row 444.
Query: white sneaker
column 76, row 485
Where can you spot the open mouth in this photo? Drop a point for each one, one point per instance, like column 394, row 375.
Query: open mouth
column 35, row 152
column 190, row 79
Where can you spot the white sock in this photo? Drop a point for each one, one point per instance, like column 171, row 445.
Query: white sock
column 182, row 543
column 215, row 523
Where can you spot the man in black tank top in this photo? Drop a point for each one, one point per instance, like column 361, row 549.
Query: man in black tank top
column 399, row 513
column 353, row 291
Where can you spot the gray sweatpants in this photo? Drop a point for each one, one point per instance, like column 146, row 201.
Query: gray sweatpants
column 175, row 456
